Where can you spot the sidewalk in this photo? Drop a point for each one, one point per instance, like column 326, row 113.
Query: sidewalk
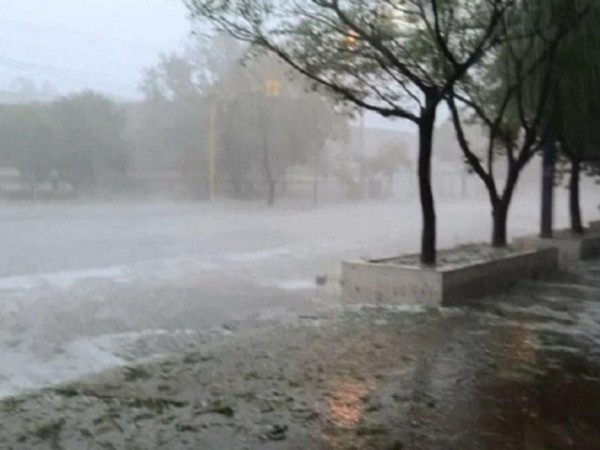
column 520, row 371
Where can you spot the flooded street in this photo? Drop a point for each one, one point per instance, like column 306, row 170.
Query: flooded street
column 519, row 370
column 84, row 288
column 278, row 225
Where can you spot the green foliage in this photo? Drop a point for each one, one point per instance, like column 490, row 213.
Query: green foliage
column 50, row 432
column 398, row 58
column 76, row 139
column 261, row 135
column 378, row 54
column 575, row 86
column 258, row 137
column 218, row 407
column 136, row 373
column 348, row 178
column 27, row 140
column 390, row 157
column 512, row 92
column 89, row 139
column 380, row 168
column 171, row 126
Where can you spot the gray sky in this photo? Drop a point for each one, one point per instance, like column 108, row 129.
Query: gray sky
column 98, row 44
column 102, row 45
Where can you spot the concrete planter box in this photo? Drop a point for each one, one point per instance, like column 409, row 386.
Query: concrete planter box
column 571, row 248
column 388, row 282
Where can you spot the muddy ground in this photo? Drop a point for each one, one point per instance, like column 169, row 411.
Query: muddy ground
column 515, row 371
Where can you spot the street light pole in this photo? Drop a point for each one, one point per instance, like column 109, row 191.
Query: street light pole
column 352, row 41
column 548, row 174
column 364, row 190
column 212, row 152
column 272, row 89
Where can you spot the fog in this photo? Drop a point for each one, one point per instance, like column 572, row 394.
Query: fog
column 95, row 44
column 156, row 193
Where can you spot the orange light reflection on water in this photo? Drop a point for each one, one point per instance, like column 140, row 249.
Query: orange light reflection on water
column 345, row 408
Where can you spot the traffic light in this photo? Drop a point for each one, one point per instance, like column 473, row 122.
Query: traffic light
column 273, row 88
column 352, row 39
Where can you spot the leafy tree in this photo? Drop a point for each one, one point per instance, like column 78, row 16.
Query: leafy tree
column 24, row 91
column 398, row 58
column 89, row 142
column 347, row 177
column 576, row 77
column 508, row 94
column 26, row 142
column 174, row 115
column 258, row 135
column 273, row 131
column 390, row 157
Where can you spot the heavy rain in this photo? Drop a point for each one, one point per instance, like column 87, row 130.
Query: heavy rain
column 247, row 224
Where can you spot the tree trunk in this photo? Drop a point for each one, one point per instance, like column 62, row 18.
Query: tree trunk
column 33, row 189
column 428, row 238
column 501, row 206
column 316, row 181
column 574, row 202
column 500, row 217
column 237, row 188
column 268, row 172
column 271, row 189
column 548, row 170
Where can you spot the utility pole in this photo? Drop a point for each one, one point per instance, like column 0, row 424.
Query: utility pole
column 272, row 89
column 364, row 191
column 272, row 92
column 212, row 152
column 548, row 172
column 316, row 177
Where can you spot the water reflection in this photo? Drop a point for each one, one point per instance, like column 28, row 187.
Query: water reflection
column 346, row 406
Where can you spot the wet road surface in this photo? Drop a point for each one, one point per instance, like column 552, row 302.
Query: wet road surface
column 519, row 370
column 86, row 287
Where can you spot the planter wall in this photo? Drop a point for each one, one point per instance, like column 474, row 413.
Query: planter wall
column 385, row 282
column 571, row 248
column 595, row 226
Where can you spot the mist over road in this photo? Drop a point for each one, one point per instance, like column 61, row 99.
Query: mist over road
column 89, row 287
